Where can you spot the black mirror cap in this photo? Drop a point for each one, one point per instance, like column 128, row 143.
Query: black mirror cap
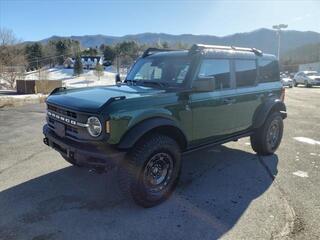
column 117, row 78
column 204, row 84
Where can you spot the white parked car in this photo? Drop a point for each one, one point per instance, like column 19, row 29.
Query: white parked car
column 286, row 81
column 308, row 78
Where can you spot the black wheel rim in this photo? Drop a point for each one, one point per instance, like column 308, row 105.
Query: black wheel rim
column 158, row 172
column 273, row 134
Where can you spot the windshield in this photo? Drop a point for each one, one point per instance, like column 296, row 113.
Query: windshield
column 164, row 70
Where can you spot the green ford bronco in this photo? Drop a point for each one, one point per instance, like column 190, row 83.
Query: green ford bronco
column 171, row 102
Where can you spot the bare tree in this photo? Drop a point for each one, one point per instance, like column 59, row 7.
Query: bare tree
column 99, row 71
column 12, row 59
column 49, row 51
column 7, row 37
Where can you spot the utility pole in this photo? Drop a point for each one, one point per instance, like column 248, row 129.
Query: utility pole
column 38, row 67
column 278, row 29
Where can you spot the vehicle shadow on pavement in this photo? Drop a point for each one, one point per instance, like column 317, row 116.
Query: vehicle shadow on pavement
column 215, row 189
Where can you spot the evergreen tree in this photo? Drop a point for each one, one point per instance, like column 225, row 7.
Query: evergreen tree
column 90, row 52
column 77, row 68
column 65, row 48
column 109, row 53
column 126, row 53
column 99, row 71
column 34, row 53
column 165, row 45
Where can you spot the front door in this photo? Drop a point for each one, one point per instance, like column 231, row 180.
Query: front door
column 212, row 115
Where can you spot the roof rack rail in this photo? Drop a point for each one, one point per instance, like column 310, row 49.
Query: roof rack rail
column 200, row 47
column 152, row 50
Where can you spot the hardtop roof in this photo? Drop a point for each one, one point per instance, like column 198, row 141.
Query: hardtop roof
column 214, row 53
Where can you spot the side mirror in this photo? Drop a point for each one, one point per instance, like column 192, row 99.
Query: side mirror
column 205, row 84
column 117, row 79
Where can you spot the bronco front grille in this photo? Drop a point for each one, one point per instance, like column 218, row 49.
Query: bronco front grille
column 67, row 117
column 69, row 129
column 62, row 111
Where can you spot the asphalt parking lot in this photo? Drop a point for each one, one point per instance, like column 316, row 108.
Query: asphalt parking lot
column 226, row 192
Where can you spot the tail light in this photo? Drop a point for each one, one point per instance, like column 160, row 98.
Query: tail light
column 283, row 93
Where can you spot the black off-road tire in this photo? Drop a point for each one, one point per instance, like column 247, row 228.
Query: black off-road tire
column 71, row 161
column 295, row 83
column 259, row 140
column 132, row 170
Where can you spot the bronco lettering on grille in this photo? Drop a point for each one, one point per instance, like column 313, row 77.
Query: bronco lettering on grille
column 66, row 120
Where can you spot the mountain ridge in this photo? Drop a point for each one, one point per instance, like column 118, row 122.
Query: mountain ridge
column 263, row 38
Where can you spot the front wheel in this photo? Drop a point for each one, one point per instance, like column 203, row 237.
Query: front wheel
column 307, row 84
column 295, row 83
column 150, row 172
column 267, row 138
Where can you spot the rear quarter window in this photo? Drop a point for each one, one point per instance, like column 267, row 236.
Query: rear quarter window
column 268, row 71
column 246, row 73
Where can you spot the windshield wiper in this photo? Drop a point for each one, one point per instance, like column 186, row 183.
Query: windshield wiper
column 146, row 82
column 130, row 82
column 160, row 84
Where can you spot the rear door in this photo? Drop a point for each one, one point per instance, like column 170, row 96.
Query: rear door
column 248, row 96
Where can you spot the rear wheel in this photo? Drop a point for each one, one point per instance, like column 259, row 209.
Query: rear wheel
column 150, row 172
column 267, row 138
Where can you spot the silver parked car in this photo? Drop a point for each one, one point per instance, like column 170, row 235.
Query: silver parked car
column 307, row 78
column 286, row 81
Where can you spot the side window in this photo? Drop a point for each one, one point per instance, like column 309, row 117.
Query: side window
column 218, row 68
column 246, row 73
column 268, row 71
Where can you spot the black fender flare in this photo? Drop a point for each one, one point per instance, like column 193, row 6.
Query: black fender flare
column 140, row 129
column 263, row 111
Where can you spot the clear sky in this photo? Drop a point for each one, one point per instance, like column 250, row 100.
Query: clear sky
column 38, row 19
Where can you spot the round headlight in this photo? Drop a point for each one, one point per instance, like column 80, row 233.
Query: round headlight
column 94, row 126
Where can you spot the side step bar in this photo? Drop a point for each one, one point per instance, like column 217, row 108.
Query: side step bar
column 213, row 144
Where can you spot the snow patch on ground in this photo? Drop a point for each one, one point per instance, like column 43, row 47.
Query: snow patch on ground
column 24, row 96
column 301, row 174
column 87, row 78
column 307, row 140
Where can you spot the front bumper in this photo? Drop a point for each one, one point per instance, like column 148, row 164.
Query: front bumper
column 87, row 154
column 315, row 83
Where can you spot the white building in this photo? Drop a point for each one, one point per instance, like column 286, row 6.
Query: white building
column 310, row 67
column 88, row 62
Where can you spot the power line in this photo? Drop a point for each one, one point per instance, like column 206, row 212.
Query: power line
column 52, row 57
column 44, row 58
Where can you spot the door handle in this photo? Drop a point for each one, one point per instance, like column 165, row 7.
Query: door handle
column 229, row 100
